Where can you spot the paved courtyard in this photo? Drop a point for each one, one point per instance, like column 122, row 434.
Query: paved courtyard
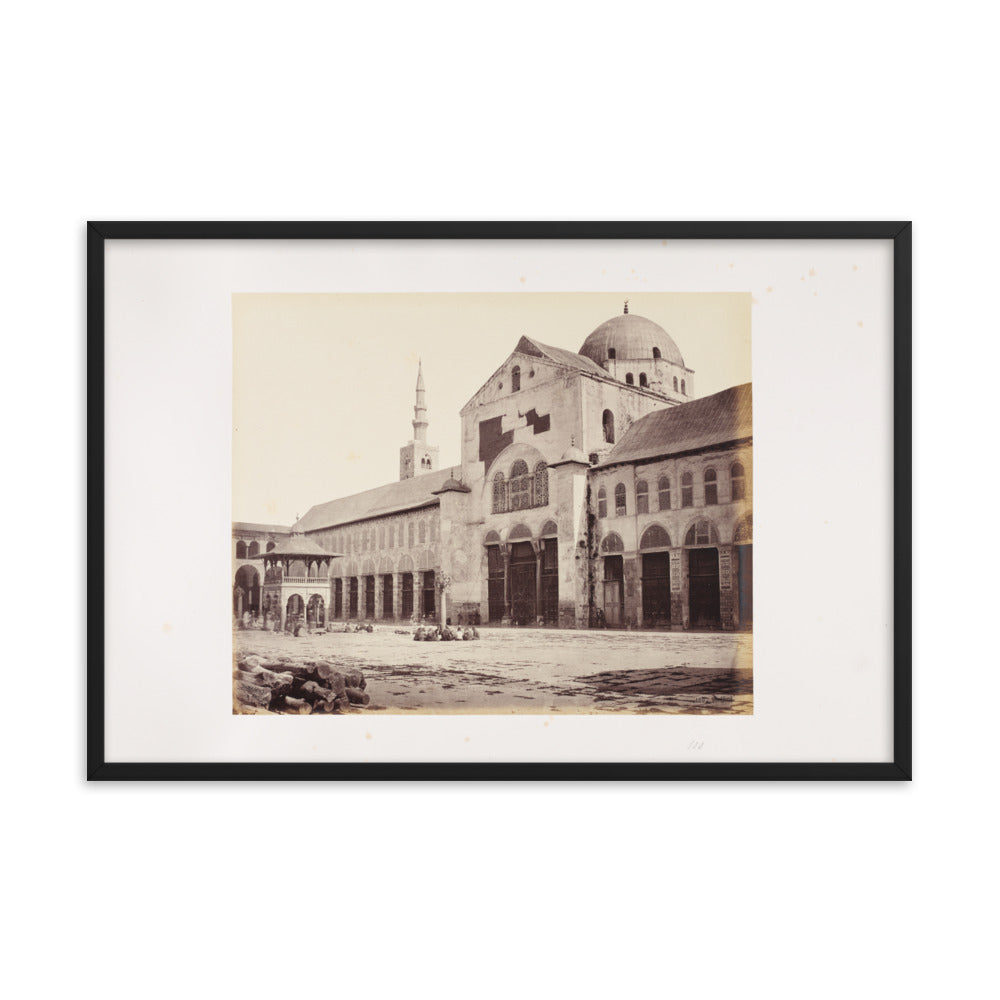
column 511, row 670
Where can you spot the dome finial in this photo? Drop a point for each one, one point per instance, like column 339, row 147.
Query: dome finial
column 626, row 307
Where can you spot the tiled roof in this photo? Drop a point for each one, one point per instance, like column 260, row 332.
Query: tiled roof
column 569, row 359
column 272, row 529
column 388, row 499
column 297, row 545
column 717, row 419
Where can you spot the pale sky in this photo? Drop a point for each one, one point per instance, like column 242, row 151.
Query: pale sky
column 323, row 385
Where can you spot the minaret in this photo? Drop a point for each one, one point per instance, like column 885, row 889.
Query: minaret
column 420, row 410
column 418, row 456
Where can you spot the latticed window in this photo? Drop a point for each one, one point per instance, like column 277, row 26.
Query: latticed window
column 541, row 485
column 520, row 486
column 642, row 497
column 663, row 489
column 711, row 487
column 602, row 502
column 702, row 533
column 738, row 479
column 499, row 494
column 620, row 500
column 687, row 490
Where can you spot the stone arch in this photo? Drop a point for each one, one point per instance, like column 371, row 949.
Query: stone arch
column 368, row 567
column 701, row 531
column 241, row 549
column 385, row 565
column 426, row 560
column 405, row 564
column 316, row 610
column 549, row 528
column 655, row 537
column 492, row 538
column 612, row 542
column 519, row 532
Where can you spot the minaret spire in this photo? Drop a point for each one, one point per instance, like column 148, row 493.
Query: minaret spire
column 418, row 456
column 420, row 410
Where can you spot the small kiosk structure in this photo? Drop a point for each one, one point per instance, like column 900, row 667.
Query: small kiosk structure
column 297, row 583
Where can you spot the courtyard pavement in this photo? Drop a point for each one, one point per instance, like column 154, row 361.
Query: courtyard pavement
column 538, row 671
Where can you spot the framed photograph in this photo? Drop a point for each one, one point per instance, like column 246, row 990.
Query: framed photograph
column 499, row 501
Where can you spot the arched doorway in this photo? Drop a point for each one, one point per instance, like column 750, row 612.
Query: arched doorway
column 523, row 583
column 294, row 610
column 246, row 591
column 704, row 605
column 655, row 576
column 612, row 548
column 316, row 613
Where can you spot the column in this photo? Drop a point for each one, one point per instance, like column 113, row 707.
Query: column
column 537, row 546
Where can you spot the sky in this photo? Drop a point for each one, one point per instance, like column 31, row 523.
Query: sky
column 323, row 384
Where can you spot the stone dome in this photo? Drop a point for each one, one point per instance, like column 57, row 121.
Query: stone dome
column 631, row 337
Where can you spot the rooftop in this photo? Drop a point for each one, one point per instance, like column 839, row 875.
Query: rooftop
column 712, row 420
column 388, row 499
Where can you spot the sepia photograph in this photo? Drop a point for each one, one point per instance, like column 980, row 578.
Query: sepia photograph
column 492, row 503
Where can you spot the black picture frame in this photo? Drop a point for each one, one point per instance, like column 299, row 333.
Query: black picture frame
column 98, row 768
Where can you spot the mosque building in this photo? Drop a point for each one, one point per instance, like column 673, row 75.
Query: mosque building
column 594, row 490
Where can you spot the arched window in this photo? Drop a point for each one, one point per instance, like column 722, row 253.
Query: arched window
column 663, row 489
column 499, row 494
column 684, row 391
column 520, row 486
column 241, row 550
column 609, row 426
column 643, row 381
column 541, row 485
column 675, row 383
column 656, row 352
column 642, row 497
column 687, row 490
column 620, row 500
column 655, row 537
column 611, row 354
column 254, row 550
column 270, row 545
column 515, row 379
column 422, row 532
column 410, row 534
column 702, row 533
column 602, row 502
column 711, row 487
column 629, row 379
column 738, row 480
